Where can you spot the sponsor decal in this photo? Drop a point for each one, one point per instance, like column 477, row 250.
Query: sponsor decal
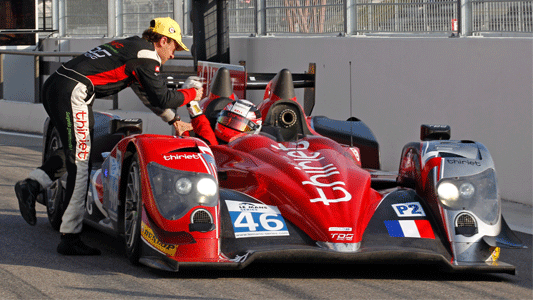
column 110, row 47
column 256, row 220
column 152, row 239
column 410, row 228
column 157, row 69
column 97, row 52
column 81, row 128
column 116, row 44
column 438, row 126
column 309, row 162
column 342, row 237
column 180, row 156
column 240, row 109
column 463, row 161
column 69, row 129
column 348, row 229
column 410, row 209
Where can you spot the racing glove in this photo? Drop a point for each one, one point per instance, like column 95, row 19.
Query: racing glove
column 193, row 82
column 194, row 109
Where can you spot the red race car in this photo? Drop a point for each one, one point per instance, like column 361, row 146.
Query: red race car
column 304, row 189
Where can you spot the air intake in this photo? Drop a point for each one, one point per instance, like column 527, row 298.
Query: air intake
column 201, row 216
column 201, row 220
column 465, row 224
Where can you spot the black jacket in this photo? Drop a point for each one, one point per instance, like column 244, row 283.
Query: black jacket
column 114, row 66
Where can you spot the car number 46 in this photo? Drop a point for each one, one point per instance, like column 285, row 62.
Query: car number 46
column 269, row 222
column 256, row 220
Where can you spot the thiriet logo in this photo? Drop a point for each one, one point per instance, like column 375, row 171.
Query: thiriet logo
column 460, row 161
column 181, row 156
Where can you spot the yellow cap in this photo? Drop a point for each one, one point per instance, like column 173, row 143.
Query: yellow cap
column 169, row 28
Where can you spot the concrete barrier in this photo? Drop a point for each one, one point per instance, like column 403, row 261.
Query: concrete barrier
column 30, row 117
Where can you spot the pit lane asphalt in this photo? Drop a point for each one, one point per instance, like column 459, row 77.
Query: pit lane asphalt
column 31, row 269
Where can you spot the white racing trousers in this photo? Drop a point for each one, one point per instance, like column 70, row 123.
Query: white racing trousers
column 67, row 98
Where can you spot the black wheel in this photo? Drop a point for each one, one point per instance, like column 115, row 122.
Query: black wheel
column 53, row 196
column 53, row 143
column 133, row 211
column 55, row 206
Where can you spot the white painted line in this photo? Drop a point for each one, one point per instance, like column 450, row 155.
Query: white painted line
column 37, row 136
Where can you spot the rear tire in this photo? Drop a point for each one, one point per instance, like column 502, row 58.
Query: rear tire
column 133, row 211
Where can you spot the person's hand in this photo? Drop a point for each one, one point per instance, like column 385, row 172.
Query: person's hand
column 196, row 83
column 181, row 127
column 199, row 93
column 193, row 82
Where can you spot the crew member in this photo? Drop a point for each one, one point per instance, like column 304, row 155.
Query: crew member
column 68, row 95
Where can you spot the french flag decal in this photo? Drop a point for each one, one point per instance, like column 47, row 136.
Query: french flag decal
column 410, row 228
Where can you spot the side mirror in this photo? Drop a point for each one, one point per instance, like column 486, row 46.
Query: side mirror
column 126, row 126
column 434, row 132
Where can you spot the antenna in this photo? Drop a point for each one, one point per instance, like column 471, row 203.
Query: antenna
column 351, row 115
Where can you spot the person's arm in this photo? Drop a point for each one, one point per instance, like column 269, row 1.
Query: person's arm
column 200, row 124
column 146, row 72
column 203, row 129
column 168, row 115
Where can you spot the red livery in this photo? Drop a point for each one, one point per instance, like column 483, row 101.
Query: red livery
column 306, row 189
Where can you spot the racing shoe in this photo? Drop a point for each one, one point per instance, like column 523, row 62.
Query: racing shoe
column 71, row 244
column 27, row 191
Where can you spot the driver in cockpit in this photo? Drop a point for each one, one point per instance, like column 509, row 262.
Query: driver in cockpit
column 237, row 118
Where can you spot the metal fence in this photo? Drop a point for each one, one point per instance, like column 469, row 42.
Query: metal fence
column 242, row 16
column 84, row 17
column 502, row 16
column 263, row 17
column 406, row 15
column 136, row 14
column 304, row 16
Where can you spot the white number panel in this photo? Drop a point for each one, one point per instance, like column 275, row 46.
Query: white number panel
column 256, row 220
column 411, row 209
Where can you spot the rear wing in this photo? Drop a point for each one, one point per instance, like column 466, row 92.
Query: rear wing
column 242, row 80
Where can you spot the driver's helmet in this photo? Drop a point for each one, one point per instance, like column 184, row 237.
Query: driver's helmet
column 240, row 116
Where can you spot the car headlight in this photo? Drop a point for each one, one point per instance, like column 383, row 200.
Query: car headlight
column 448, row 193
column 176, row 192
column 467, row 190
column 477, row 193
column 207, row 187
column 183, row 186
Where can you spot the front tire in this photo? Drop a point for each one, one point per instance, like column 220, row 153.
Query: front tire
column 133, row 211
column 53, row 197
